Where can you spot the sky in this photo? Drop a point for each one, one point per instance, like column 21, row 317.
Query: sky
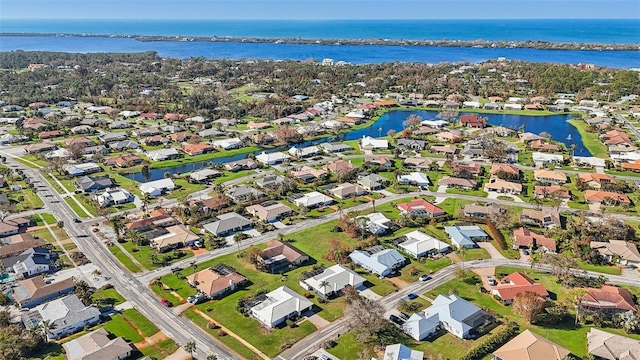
column 319, row 9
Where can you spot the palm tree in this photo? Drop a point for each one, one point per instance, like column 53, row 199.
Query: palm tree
column 212, row 357
column 194, row 266
column 536, row 201
column 146, row 199
column 116, row 223
column 238, row 239
column 46, row 326
column 190, row 347
column 323, row 284
column 462, row 251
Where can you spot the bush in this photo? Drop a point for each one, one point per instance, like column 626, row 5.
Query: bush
column 222, row 333
column 107, row 286
column 135, row 249
column 486, row 347
column 212, row 326
column 497, row 236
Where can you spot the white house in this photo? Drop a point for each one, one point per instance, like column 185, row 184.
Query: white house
column 369, row 143
column 400, row 352
column 273, row 158
column 544, row 158
column 512, row 106
column 434, row 123
column 457, row 315
column 378, row 260
column 418, row 179
column 163, row 154
column 336, row 278
column 465, row 236
column 375, row 223
column 305, row 151
column 420, row 327
column 419, row 244
column 471, row 105
column 157, row 187
column 227, row 144
column 313, row 199
column 97, row 345
column 280, row 305
column 65, row 316
column 114, row 197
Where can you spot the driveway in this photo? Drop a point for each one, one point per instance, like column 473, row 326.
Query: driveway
column 493, row 252
column 279, row 225
column 369, row 294
column 483, row 273
column 494, row 195
column 318, row 321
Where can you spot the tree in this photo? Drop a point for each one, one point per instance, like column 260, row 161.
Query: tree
column 629, row 321
column 412, row 121
column 528, row 305
column 364, row 316
column 238, row 237
column 212, row 357
column 60, row 224
column 324, row 284
column 146, row 174
column 84, row 292
column 75, row 150
column 118, row 226
column 190, row 347
column 146, row 199
column 447, row 115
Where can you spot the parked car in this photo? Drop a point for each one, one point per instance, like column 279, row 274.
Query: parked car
column 491, row 281
column 176, row 269
column 412, row 296
column 425, row 277
column 76, row 220
column 525, row 252
column 396, row 319
column 166, row 303
column 196, row 299
column 404, row 316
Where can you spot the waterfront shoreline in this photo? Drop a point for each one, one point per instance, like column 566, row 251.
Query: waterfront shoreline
column 501, row 44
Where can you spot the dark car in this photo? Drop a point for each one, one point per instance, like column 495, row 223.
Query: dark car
column 425, row 277
column 76, row 220
column 412, row 296
column 166, row 303
column 396, row 319
column 404, row 316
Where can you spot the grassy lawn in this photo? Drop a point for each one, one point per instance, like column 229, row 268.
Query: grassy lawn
column 108, row 296
column 30, row 160
column 55, row 184
column 227, row 340
column 428, row 267
column 124, row 259
column 611, row 270
column 590, row 139
column 478, row 193
column 622, row 173
column 143, row 255
column 476, row 254
column 454, row 206
column 142, row 323
column 89, row 204
column 49, row 219
column 119, row 327
column 75, row 207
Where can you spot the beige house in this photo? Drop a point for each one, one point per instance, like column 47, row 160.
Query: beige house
column 504, row 187
column 177, row 236
column 97, row 345
column 530, row 346
column 216, row 281
column 550, row 176
column 608, row 346
column 626, row 251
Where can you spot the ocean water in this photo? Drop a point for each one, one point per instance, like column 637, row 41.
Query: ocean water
column 356, row 54
column 589, row 31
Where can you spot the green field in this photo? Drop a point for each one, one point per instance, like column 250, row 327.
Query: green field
column 590, row 140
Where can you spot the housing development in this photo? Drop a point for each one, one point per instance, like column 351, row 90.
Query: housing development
column 316, row 210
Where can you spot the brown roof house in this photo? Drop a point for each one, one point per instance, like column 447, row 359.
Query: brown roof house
column 280, row 255
column 626, row 252
column 517, row 283
column 525, row 238
column 97, row 345
column 269, row 211
column 550, row 176
column 530, row 346
column 608, row 299
column 608, row 346
column 216, row 281
column 35, row 291
column 504, row 187
column 482, row 211
column 540, row 218
column 16, row 244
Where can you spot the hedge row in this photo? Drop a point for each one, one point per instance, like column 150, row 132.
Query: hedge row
column 497, row 236
column 492, row 343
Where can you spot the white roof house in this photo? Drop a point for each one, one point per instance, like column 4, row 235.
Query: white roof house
column 545, row 158
column 589, row 160
column 337, row 277
column 414, row 178
column 280, row 304
column 400, row 352
column 419, row 326
column 465, row 236
column 420, row 244
column 272, row 158
column 369, row 143
column 456, row 315
column 313, row 199
column 380, row 262
column 375, row 223
column 65, row 315
column 231, row 143
column 157, row 187
column 305, row 151
column 434, row 123
column 471, row 104
column 114, row 196
column 163, row 154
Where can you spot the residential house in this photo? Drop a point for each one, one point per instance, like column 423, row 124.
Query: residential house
column 332, row 281
column 123, row 161
column 88, row 184
column 225, row 122
column 244, row 193
column 180, row 136
column 35, row 291
column 16, row 244
column 411, row 144
column 504, row 187
column 154, row 140
column 258, row 125
column 203, row 175
column 157, row 219
column 540, row 218
column 372, row 182
column 340, row 166
column 530, row 346
column 304, row 152
column 608, row 299
column 163, row 154
column 525, row 238
column 400, row 352
column 245, row 164
column 456, row 315
column 335, row 147
column 50, row 134
column 540, row 145
column 173, row 237
column 269, row 212
column 606, row 198
column 473, row 121
column 596, row 181
column 82, row 141
column 517, row 283
column 145, row 132
column 633, row 165
column 420, row 208
column 420, row 327
column 444, row 149
column 157, row 188
column 106, row 138
column 217, row 281
column 7, row 229
column 375, row 223
column 418, row 179
column 312, row 200
column 419, row 244
column 270, row 181
column 546, row 191
column 417, row 163
column 542, row 159
column 382, row 161
column 196, row 149
column 378, row 260
column 423, row 131
column 550, row 176
column 280, row 305
column 97, row 345
column 211, row 133
column 625, row 252
column 119, row 124
column 110, row 197
column 228, row 144
column 486, row 211
column 505, row 171
column 307, row 174
column 457, row 183
column 281, row 255
column 81, row 169
column 31, row 262
column 273, row 158
column 347, row 190
column 65, row 316
column 369, row 143
column 228, row 224
column 448, row 136
column 603, row 345
column 39, row 148
column 465, row 236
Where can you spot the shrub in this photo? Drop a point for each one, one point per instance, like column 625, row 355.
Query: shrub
column 107, row 286
column 135, row 249
column 212, row 326
column 222, row 333
column 490, row 344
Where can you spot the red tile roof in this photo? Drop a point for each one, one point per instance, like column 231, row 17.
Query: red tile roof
column 609, row 297
column 524, row 237
column 421, row 204
column 517, row 283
